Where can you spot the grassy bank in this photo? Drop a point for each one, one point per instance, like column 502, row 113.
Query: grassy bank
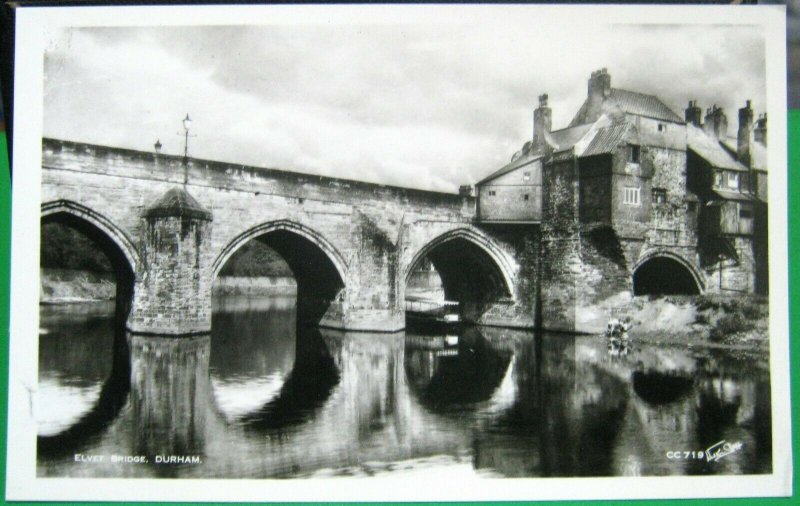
column 725, row 321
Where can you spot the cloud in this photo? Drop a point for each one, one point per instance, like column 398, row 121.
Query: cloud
column 428, row 106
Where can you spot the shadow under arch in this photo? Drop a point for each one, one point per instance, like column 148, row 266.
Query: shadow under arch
column 474, row 271
column 667, row 273
column 307, row 387
column 319, row 269
column 282, row 225
column 502, row 262
column 113, row 242
column 73, row 214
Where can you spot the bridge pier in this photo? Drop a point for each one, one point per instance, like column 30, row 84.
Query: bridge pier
column 373, row 299
column 172, row 294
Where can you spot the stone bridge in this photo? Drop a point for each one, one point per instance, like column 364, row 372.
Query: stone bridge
column 169, row 224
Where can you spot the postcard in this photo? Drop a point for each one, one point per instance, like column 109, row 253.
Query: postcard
column 399, row 253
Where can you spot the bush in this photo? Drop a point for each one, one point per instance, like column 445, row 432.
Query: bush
column 730, row 324
column 751, row 310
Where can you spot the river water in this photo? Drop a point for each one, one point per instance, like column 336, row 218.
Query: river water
column 259, row 399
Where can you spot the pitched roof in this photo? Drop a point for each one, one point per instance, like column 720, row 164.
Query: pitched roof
column 606, row 139
column 633, row 102
column 568, row 137
column 178, row 202
column 758, row 152
column 629, row 102
column 758, row 155
column 734, row 195
column 710, row 149
column 510, row 166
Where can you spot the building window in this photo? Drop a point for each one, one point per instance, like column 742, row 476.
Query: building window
column 632, row 196
column 744, row 183
column 745, row 212
column 662, row 127
column 659, row 196
column 733, row 180
column 526, row 197
column 492, row 193
column 718, row 179
column 526, row 176
column 635, row 154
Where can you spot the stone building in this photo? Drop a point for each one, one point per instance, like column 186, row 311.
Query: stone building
column 633, row 198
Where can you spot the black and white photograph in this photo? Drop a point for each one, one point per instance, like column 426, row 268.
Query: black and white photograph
column 399, row 253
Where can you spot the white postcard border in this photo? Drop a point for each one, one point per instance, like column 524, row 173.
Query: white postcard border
column 33, row 25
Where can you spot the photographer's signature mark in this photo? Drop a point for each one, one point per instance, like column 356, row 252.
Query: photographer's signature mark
column 713, row 453
column 722, row 449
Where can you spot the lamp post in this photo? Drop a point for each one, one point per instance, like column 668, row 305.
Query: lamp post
column 187, row 124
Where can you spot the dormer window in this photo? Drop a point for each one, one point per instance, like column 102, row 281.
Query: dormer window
column 635, row 154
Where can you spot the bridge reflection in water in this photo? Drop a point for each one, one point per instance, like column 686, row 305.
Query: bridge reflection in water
column 257, row 398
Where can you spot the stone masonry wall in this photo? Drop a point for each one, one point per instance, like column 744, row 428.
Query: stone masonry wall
column 561, row 260
column 122, row 184
column 174, row 295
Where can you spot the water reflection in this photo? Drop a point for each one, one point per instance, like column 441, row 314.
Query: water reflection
column 449, row 377
column 259, row 398
column 169, row 394
column 84, row 378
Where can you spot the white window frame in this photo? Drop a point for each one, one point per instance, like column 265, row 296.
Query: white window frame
column 632, row 196
column 732, row 177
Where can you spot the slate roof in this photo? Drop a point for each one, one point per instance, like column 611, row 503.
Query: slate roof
column 606, row 139
column 633, row 102
column 512, row 165
column 710, row 149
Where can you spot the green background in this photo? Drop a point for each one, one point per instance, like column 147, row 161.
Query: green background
column 794, row 282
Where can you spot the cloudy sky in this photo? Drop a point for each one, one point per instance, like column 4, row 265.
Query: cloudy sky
column 420, row 105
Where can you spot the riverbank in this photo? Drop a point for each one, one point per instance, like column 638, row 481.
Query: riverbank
column 68, row 286
column 736, row 322
column 64, row 286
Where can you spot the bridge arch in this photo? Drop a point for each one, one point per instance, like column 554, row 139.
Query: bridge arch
column 317, row 266
column 282, row 225
column 74, row 214
column 665, row 272
column 476, row 248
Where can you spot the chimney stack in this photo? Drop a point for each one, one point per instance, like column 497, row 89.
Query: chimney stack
column 716, row 122
column 542, row 121
column 743, row 135
column 694, row 114
column 760, row 131
column 599, row 85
